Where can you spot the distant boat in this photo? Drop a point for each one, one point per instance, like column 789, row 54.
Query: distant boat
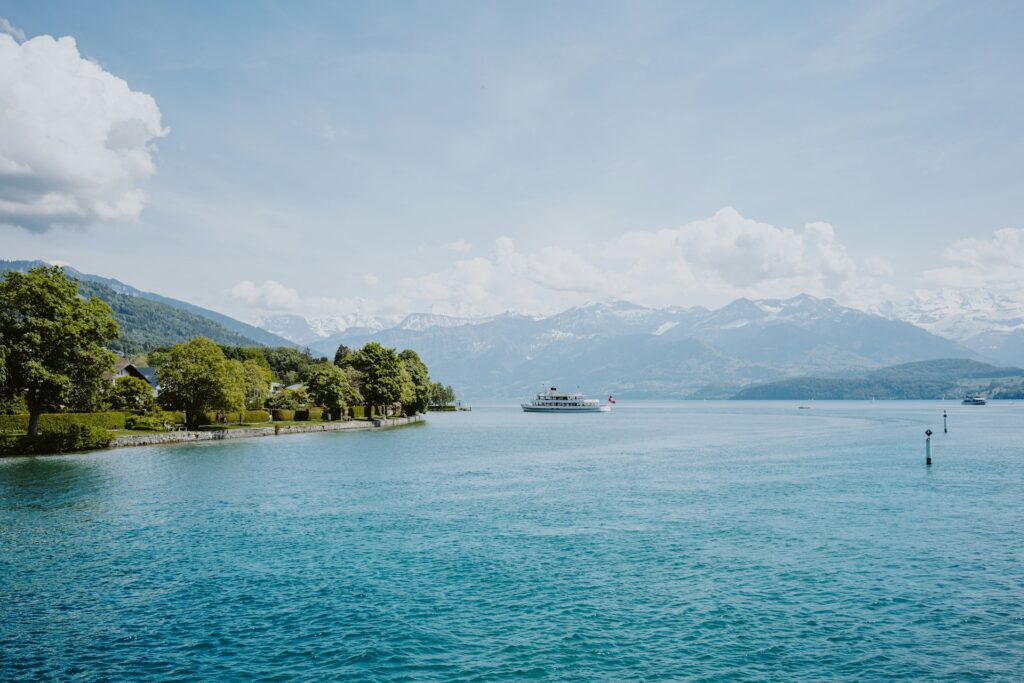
column 555, row 401
column 803, row 407
column 975, row 400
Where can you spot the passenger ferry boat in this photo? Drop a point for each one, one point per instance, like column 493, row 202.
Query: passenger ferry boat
column 555, row 401
column 976, row 400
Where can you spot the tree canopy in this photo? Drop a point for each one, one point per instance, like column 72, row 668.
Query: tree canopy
column 130, row 393
column 381, row 372
column 419, row 397
column 333, row 388
column 52, row 341
column 196, row 377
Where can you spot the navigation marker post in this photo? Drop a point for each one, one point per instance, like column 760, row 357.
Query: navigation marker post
column 927, row 447
column 944, row 429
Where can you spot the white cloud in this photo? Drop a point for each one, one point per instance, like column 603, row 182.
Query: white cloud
column 996, row 263
column 710, row 261
column 75, row 140
column 11, row 30
column 272, row 297
column 707, row 261
column 370, row 279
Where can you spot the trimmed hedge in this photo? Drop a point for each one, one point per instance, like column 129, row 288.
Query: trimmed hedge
column 234, row 417
column 316, row 413
column 282, row 414
column 57, row 421
column 62, row 439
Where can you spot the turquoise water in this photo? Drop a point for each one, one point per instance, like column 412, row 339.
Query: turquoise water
column 688, row 541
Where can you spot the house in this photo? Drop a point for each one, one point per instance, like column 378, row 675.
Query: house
column 125, row 368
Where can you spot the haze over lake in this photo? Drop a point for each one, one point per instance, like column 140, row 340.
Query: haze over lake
column 698, row 540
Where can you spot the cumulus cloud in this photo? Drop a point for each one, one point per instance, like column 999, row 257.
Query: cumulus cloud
column 272, row 297
column 995, row 263
column 75, row 140
column 706, row 261
column 710, row 261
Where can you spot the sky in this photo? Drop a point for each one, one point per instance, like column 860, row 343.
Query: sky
column 468, row 158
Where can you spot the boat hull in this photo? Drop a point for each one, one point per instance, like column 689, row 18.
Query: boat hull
column 527, row 408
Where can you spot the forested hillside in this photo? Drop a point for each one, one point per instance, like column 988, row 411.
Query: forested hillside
column 147, row 323
column 945, row 378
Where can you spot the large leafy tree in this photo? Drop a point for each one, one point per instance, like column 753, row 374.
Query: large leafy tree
column 256, row 378
column 381, row 371
column 341, row 354
column 52, row 341
column 196, row 377
column 130, row 393
column 289, row 365
column 332, row 387
column 441, row 395
column 419, row 397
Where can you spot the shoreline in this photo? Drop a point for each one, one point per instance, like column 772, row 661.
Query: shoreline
column 160, row 438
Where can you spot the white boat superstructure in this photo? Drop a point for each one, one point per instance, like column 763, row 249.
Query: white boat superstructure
column 555, row 401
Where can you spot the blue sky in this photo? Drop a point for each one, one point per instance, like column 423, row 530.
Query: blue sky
column 379, row 158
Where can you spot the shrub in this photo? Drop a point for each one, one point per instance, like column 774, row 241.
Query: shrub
column 358, row 412
column 62, row 439
column 302, row 414
column 257, row 416
column 234, row 416
column 317, row 414
column 147, row 423
column 283, row 414
column 56, row 421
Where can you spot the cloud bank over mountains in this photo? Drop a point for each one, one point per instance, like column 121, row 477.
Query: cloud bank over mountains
column 709, row 261
column 75, row 140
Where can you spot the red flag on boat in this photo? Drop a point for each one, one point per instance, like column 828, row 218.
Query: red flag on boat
column 610, row 399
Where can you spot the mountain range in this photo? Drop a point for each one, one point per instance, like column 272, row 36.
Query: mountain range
column 989, row 323
column 640, row 352
column 617, row 346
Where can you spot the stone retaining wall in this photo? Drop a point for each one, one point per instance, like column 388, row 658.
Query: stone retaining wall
column 152, row 439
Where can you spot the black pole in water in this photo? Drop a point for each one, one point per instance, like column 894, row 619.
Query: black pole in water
column 927, row 447
column 944, row 429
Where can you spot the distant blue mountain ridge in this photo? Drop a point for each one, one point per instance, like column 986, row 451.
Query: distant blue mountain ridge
column 635, row 351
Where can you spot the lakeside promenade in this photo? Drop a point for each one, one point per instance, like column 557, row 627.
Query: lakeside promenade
column 151, row 439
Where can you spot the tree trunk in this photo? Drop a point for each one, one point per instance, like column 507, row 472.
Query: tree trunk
column 33, row 423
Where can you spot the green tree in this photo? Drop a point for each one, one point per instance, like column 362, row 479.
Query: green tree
column 288, row 399
column 341, row 354
column 52, row 341
column 257, row 383
column 196, row 377
column 381, row 373
column 331, row 387
column 130, row 393
column 441, row 395
column 419, row 397
column 289, row 365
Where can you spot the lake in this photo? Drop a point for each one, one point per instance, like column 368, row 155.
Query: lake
column 685, row 541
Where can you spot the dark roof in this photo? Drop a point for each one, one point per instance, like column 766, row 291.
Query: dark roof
column 148, row 374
